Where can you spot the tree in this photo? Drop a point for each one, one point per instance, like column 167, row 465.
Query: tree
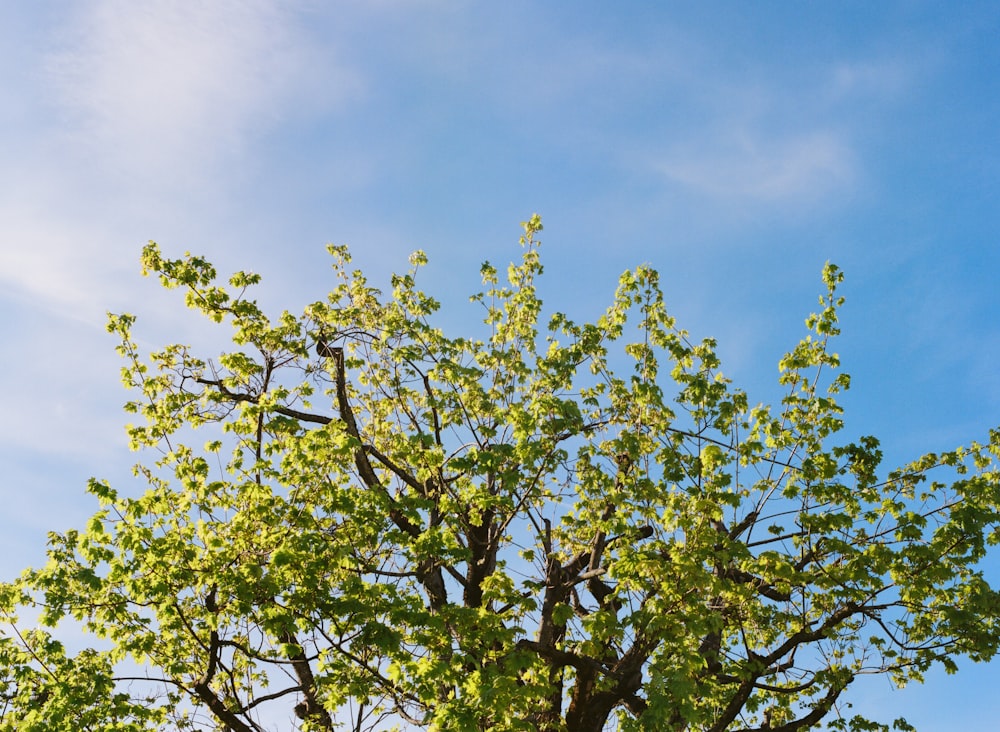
column 577, row 529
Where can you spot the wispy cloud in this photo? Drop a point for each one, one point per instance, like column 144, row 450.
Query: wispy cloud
column 771, row 137
column 156, row 112
column 52, row 263
column 882, row 79
column 154, row 83
column 754, row 166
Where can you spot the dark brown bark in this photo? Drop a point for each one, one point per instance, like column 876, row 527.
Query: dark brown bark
column 310, row 708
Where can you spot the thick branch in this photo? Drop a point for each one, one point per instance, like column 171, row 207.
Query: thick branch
column 284, row 411
column 764, row 588
column 560, row 658
column 310, row 707
column 202, row 688
column 820, row 710
column 364, row 467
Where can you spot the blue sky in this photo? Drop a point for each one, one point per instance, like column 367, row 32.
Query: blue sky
column 734, row 146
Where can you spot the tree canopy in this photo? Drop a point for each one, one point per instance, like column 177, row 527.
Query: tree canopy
column 355, row 520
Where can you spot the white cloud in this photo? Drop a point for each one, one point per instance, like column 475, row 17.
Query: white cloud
column 55, row 263
column 771, row 138
column 154, row 85
column 877, row 79
column 153, row 115
column 757, row 167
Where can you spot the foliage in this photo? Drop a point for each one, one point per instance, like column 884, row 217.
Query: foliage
column 573, row 527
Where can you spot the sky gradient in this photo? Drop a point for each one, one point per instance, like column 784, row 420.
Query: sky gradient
column 735, row 147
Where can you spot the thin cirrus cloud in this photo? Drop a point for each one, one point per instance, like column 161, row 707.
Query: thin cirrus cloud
column 148, row 107
column 771, row 142
column 159, row 82
column 753, row 168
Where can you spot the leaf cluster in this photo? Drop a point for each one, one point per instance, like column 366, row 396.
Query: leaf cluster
column 352, row 518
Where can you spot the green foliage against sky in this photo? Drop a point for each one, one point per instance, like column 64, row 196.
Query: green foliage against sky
column 353, row 519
